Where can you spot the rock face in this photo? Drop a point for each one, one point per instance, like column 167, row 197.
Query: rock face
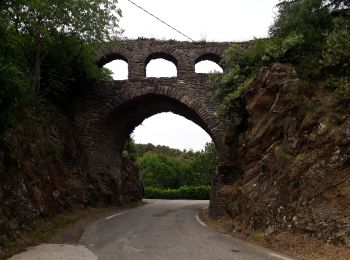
column 40, row 175
column 295, row 160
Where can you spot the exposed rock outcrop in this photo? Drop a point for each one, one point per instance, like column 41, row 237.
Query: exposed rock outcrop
column 40, row 175
column 295, row 160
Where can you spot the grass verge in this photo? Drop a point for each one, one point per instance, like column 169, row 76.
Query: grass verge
column 65, row 228
column 300, row 247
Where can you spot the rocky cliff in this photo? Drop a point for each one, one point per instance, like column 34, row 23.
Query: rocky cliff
column 40, row 174
column 294, row 154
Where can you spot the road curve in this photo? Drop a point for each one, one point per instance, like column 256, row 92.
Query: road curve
column 165, row 229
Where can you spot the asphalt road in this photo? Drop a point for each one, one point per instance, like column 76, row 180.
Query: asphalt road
column 165, row 229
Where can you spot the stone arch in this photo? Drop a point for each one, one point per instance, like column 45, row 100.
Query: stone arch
column 111, row 57
column 125, row 112
column 165, row 56
column 209, row 56
column 161, row 55
column 209, row 61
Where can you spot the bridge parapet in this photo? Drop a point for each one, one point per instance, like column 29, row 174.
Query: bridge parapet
column 184, row 55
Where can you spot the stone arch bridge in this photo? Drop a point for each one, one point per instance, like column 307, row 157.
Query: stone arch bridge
column 107, row 112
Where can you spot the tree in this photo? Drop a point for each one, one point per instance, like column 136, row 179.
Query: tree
column 204, row 165
column 303, row 26
column 130, row 149
column 165, row 172
column 41, row 22
column 13, row 80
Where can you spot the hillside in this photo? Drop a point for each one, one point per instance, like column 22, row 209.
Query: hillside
column 294, row 154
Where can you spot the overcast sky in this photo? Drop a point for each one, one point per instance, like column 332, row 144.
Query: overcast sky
column 220, row 20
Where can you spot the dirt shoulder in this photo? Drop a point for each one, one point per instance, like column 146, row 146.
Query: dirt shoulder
column 65, row 228
column 303, row 248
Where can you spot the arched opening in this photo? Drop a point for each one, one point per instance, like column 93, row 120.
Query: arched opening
column 208, row 67
column 107, row 136
column 161, row 65
column 117, row 64
column 127, row 116
column 119, row 69
column 172, row 153
column 105, row 124
column 208, row 63
column 171, row 130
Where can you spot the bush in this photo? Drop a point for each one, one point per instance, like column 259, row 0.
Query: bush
column 311, row 35
column 184, row 192
column 241, row 63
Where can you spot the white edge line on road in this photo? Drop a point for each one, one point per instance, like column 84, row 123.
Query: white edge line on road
column 115, row 215
column 280, row 256
column 150, row 204
column 200, row 221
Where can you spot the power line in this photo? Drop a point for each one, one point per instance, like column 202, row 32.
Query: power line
column 160, row 20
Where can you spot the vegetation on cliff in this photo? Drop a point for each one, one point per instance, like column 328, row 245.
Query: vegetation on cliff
column 311, row 35
column 47, row 50
column 293, row 148
column 47, row 47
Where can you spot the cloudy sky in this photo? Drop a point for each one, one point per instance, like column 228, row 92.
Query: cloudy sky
column 220, row 20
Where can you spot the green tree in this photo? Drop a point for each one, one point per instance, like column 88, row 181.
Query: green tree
column 165, row 150
column 312, row 35
column 47, row 49
column 163, row 171
column 301, row 30
column 42, row 22
column 204, row 164
column 13, row 76
column 130, row 149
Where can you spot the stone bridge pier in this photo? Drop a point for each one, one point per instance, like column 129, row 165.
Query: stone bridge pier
column 107, row 112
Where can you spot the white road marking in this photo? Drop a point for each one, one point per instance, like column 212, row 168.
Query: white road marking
column 54, row 251
column 173, row 201
column 280, row 256
column 150, row 204
column 205, row 208
column 115, row 215
column 200, row 221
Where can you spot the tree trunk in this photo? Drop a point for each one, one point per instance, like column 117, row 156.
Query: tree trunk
column 37, row 69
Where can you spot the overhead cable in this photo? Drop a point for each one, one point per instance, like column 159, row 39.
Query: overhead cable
column 161, row 20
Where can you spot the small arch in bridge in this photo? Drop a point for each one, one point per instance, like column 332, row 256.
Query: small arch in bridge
column 119, row 69
column 208, row 67
column 161, row 55
column 208, row 63
column 161, row 68
column 209, row 56
column 160, row 64
column 111, row 57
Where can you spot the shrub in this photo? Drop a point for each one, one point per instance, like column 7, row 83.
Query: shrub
column 184, row 192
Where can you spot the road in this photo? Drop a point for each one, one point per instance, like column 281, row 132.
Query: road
column 165, row 229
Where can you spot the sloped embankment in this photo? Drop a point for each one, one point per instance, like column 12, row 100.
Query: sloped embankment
column 40, row 175
column 295, row 160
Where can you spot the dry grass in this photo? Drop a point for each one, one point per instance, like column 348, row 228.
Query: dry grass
column 302, row 248
column 63, row 228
